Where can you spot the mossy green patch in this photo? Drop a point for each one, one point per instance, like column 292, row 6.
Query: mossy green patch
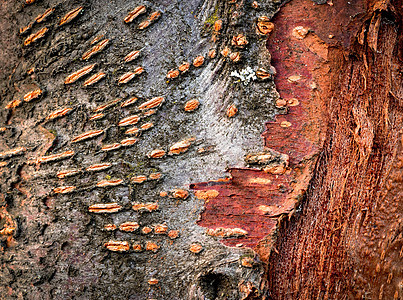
column 54, row 132
column 211, row 19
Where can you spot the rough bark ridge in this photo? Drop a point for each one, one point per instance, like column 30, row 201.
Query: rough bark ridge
column 347, row 240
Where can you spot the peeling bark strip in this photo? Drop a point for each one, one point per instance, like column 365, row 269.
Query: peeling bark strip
column 107, row 105
column 105, row 208
column 295, row 138
column 35, row 36
column 54, row 157
column 131, row 120
column 32, row 95
column 70, row 16
column 64, row 189
column 125, row 78
column 132, row 56
column 94, row 79
column 118, row 246
column 13, row 104
column 128, row 142
column 129, row 226
column 78, row 74
column 59, row 113
column 153, row 103
column 111, row 147
column 107, row 183
column 94, row 50
column 96, row 117
column 129, row 102
column 139, row 10
column 149, row 206
column 87, row 135
column 41, row 18
column 67, row 173
column 99, row 167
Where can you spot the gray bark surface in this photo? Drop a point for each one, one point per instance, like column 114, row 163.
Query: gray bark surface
column 57, row 249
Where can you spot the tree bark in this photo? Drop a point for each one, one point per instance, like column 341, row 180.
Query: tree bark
column 346, row 240
column 313, row 211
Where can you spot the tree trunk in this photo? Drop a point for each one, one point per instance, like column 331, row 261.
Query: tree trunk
column 143, row 175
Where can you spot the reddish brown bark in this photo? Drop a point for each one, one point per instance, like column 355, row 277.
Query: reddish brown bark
column 254, row 200
column 347, row 241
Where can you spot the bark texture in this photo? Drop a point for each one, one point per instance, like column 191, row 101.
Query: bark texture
column 54, row 246
column 292, row 161
column 346, row 240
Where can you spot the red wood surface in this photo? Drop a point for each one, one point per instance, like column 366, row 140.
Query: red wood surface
column 237, row 204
